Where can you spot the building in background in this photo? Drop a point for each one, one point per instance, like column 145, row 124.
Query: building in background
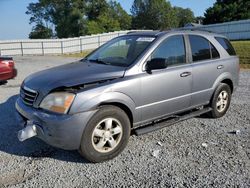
column 235, row 30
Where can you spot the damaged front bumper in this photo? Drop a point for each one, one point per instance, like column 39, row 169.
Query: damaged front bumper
column 59, row 130
column 29, row 131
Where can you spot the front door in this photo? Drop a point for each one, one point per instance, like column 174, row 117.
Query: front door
column 167, row 91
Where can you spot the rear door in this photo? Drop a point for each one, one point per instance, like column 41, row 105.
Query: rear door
column 167, row 91
column 206, row 67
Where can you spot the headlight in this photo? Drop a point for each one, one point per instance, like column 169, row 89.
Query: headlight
column 59, row 102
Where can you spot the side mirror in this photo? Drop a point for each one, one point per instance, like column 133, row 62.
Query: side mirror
column 156, row 63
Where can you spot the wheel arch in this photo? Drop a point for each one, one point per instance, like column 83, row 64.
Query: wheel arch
column 123, row 107
column 225, row 78
column 229, row 82
column 117, row 99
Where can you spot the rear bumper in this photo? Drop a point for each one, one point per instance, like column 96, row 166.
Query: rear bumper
column 8, row 75
column 62, row 131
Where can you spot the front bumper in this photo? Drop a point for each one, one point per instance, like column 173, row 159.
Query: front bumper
column 59, row 130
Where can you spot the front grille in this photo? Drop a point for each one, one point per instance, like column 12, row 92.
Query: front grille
column 28, row 95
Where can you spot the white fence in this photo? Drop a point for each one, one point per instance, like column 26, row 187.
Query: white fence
column 55, row 46
column 236, row 30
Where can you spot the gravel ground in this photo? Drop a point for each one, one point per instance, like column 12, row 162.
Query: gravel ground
column 195, row 153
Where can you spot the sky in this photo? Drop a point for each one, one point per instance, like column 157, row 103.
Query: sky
column 14, row 23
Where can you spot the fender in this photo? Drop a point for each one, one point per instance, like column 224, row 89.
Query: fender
column 107, row 97
column 223, row 76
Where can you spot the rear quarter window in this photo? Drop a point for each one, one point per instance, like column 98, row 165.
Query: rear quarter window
column 226, row 45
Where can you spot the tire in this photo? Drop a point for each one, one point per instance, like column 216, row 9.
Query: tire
column 106, row 134
column 220, row 101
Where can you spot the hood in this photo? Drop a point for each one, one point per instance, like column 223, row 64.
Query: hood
column 72, row 74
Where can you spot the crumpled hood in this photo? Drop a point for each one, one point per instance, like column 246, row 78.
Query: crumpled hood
column 71, row 75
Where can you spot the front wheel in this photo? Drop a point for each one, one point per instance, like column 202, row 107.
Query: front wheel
column 220, row 101
column 105, row 135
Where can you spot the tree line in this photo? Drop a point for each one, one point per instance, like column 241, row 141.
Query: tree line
column 73, row 18
column 227, row 10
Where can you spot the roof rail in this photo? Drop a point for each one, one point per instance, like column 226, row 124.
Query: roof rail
column 130, row 32
column 191, row 29
column 143, row 31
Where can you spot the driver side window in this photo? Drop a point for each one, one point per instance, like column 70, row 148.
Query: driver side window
column 172, row 49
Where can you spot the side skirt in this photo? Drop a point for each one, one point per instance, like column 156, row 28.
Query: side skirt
column 159, row 124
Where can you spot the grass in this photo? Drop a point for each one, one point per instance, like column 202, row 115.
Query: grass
column 242, row 49
column 82, row 54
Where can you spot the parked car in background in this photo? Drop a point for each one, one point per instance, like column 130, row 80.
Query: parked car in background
column 127, row 84
column 7, row 69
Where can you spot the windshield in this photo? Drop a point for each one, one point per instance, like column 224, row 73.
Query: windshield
column 121, row 51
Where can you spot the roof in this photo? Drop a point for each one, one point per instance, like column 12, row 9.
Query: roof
column 177, row 31
column 144, row 33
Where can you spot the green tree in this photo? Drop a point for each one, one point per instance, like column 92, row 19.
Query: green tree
column 65, row 16
column 40, row 32
column 68, row 18
column 106, row 18
column 94, row 8
column 227, row 10
column 102, row 24
column 199, row 19
column 152, row 14
column 40, row 13
column 119, row 14
column 184, row 16
column 93, row 27
column 159, row 14
column 72, row 18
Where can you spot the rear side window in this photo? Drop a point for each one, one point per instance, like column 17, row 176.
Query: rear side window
column 202, row 49
column 226, row 45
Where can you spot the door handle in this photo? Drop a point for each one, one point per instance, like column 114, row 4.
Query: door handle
column 185, row 74
column 220, row 67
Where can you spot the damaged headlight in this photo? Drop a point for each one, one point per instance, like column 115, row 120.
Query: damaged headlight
column 59, row 102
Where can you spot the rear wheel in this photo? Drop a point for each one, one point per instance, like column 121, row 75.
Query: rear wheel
column 105, row 135
column 220, row 101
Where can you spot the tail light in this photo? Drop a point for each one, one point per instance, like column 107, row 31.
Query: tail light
column 9, row 63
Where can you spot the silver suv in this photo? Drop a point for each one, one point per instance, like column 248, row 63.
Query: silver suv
column 128, row 85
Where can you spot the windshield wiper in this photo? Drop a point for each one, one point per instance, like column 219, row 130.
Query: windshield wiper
column 98, row 61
